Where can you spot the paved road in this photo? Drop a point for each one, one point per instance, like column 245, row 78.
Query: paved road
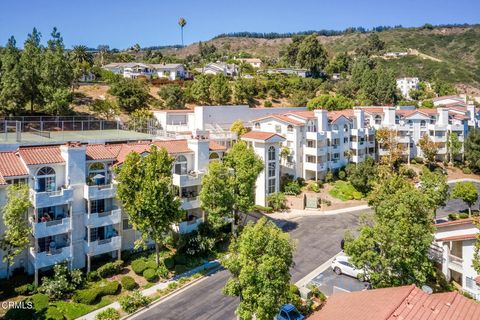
column 318, row 239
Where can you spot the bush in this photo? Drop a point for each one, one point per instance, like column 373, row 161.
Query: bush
column 138, row 266
column 180, row 268
column 40, row 301
column 92, row 276
column 91, row 295
column 267, row 104
column 151, row 264
column 314, row 186
column 408, row 172
column 276, row 200
column 169, row 262
column 342, row 175
column 263, row 209
column 110, row 269
column 128, row 283
column 329, row 176
column 463, row 215
column 180, row 259
column 466, row 170
column 293, row 188
column 54, row 314
column 418, row 160
column 108, row 314
column 133, row 301
column 345, row 191
column 162, row 271
column 25, row 289
column 452, row 216
column 62, row 284
column 150, row 275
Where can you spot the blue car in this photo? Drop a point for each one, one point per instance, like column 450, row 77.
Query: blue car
column 289, row 312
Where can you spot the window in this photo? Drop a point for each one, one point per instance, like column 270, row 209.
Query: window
column 345, row 140
column 97, row 174
column 45, row 180
column 213, row 156
column 378, row 119
column 257, row 125
column 397, row 119
column 310, row 159
column 97, row 206
column 271, row 169
column 311, row 143
column 432, row 120
column 271, row 153
column 311, row 126
column 335, row 127
column 181, row 165
column 423, row 123
column 271, row 186
column 410, row 123
column 345, row 128
column 290, row 128
column 126, row 224
column 278, row 128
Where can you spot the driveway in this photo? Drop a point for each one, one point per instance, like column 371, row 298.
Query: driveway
column 329, row 282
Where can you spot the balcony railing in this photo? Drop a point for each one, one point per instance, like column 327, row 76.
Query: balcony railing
column 104, row 191
column 43, row 199
column 103, row 246
column 188, row 226
column 50, row 228
column 103, row 218
column 190, row 203
column 455, row 263
column 186, row 180
column 51, row 257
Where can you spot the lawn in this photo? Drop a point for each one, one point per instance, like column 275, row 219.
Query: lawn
column 344, row 191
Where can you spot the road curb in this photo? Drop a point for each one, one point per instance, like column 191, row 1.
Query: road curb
column 309, row 277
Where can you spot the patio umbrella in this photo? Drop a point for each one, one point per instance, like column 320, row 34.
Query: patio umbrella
column 98, row 176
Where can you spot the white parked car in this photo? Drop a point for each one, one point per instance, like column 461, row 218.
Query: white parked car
column 341, row 265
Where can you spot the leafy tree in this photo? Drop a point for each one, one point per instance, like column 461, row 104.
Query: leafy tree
column 200, row 90
column 238, row 127
column 172, row 96
column 386, row 87
column 246, row 166
column 454, row 146
column 139, row 119
column 429, row 148
column 443, row 88
column 387, row 140
column 243, row 90
column 104, row 108
column 329, row 102
column 220, row 90
column 434, row 186
column 394, row 245
column 362, row 176
column 16, row 236
column 216, row 195
column 131, row 94
column 56, row 100
column 259, row 262
column 339, row 64
column 276, row 200
column 312, row 55
column 12, row 97
column 291, row 51
column 147, row 196
column 62, row 284
column 373, row 45
column 427, row 104
column 467, row 192
column 30, row 62
column 472, row 150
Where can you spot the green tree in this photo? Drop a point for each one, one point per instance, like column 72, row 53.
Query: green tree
column 427, row 104
column 220, row 92
column 246, row 166
column 394, row 245
column 312, row 55
column 243, row 90
column 238, row 127
column 373, row 45
column 104, row 108
column 434, row 186
column 428, row 148
column 291, row 51
column 339, row 64
column 454, row 146
column 472, row 150
column 329, row 102
column 81, row 60
column 216, row 195
column 139, row 119
column 363, row 176
column 131, row 94
column 276, row 200
column 467, row 192
column 31, row 61
column 443, row 88
column 259, row 262
column 147, row 195
column 56, row 100
column 56, row 69
column 386, row 87
column 16, row 236
column 172, row 96
column 12, row 97
column 62, row 284
column 200, row 89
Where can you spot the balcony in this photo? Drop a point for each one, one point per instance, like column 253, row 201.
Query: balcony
column 403, row 138
column 436, row 127
column 103, row 246
column 51, row 198
column 315, row 166
column 190, row 203
column 103, row 218
column 335, row 163
column 359, row 144
column 455, row 263
column 95, row 192
column 320, row 151
column 50, row 228
column 50, row 258
column 187, row 180
column 315, row 135
column 188, row 226
column 437, row 138
column 358, row 159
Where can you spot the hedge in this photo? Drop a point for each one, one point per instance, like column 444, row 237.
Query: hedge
column 180, row 259
column 128, row 283
column 169, row 262
column 151, row 264
column 150, row 275
column 108, row 314
column 110, row 269
column 180, row 268
column 90, row 296
column 133, row 301
column 138, row 266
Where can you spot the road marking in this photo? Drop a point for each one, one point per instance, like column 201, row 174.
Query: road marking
column 309, row 277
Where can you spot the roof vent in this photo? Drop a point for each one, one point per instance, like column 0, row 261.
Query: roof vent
column 427, row 289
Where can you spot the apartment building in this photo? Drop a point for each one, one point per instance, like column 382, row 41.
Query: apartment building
column 75, row 215
column 454, row 248
column 405, row 85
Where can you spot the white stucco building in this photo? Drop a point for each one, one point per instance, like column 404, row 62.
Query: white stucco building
column 172, row 71
column 406, row 84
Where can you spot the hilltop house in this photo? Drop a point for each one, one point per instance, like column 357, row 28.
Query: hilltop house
column 254, row 62
column 230, row 70
column 406, row 84
column 135, row 70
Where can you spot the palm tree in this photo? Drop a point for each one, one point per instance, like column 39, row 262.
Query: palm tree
column 80, row 54
column 182, row 23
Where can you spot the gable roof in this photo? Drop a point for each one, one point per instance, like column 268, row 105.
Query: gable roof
column 335, row 115
column 399, row 303
column 11, row 166
column 304, row 114
column 260, row 135
column 41, row 155
column 280, row 117
column 99, row 152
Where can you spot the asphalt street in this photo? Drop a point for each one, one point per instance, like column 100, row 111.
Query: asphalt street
column 456, row 205
column 318, row 239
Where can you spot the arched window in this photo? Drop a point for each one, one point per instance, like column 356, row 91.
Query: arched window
column 290, row 128
column 181, row 165
column 433, row 120
column 97, row 174
column 410, row 123
column 450, row 118
column 257, row 125
column 397, row 119
column 335, row 127
column 271, row 153
column 423, row 123
column 311, row 126
column 378, row 119
column 345, row 128
column 213, row 156
column 45, row 180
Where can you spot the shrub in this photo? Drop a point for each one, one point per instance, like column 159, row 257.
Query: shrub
column 342, row 175
column 276, row 200
column 263, row 209
column 162, row 271
column 62, row 284
column 169, row 262
column 345, row 191
column 463, row 215
column 40, row 301
column 151, row 264
column 138, row 266
column 110, row 269
column 133, row 301
column 93, row 276
column 54, row 314
column 25, row 289
column 128, row 283
column 180, row 259
column 150, row 275
column 418, row 160
column 267, row 104
column 413, row 161
column 408, row 172
column 314, row 186
column 329, row 176
column 466, row 170
column 452, row 216
column 180, row 268
column 293, row 188
column 108, row 314
column 91, row 295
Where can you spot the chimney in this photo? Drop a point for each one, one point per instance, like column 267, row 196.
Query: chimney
column 75, row 157
column 442, row 116
column 199, row 144
column 322, row 119
column 389, row 116
column 359, row 118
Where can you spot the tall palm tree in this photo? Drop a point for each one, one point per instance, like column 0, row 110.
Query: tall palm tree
column 182, row 23
column 80, row 54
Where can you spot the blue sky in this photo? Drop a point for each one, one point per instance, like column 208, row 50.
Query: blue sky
column 122, row 23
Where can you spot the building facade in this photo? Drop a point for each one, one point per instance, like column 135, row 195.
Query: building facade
column 407, row 84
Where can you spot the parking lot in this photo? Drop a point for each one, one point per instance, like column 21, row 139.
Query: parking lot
column 328, row 282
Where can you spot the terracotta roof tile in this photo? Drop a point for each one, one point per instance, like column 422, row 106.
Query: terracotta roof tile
column 459, row 238
column 259, row 135
column 215, row 146
column 99, row 152
column 11, row 165
column 371, row 110
column 305, row 114
column 334, row 115
column 454, row 222
column 174, row 146
column 41, row 155
column 280, row 117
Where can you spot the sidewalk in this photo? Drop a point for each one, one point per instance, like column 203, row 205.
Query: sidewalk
column 153, row 289
column 295, row 213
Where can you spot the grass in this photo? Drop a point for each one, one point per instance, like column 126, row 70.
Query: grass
column 73, row 310
column 344, row 191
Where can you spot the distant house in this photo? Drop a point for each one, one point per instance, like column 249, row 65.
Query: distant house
column 406, row 84
column 254, row 62
column 230, row 70
column 171, row 71
column 87, row 77
column 131, row 69
column 395, row 54
column 336, row 76
column 448, row 100
column 303, row 73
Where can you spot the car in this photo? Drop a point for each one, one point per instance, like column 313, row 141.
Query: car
column 341, row 265
column 289, row 312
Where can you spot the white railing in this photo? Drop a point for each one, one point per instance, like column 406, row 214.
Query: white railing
column 186, row 180
column 51, row 198
column 52, row 257
column 190, row 203
column 455, row 263
column 52, row 227
column 103, row 218
column 103, row 246
column 100, row 191
column 188, row 226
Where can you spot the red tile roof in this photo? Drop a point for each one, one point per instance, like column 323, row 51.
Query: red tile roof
column 259, row 135
column 372, row 110
column 41, row 155
column 305, row 114
column 99, row 152
column 334, row 115
column 11, row 165
column 121, row 151
column 282, row 118
column 459, row 238
column 400, row 303
column 215, row 146
column 454, row 222
column 174, row 146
